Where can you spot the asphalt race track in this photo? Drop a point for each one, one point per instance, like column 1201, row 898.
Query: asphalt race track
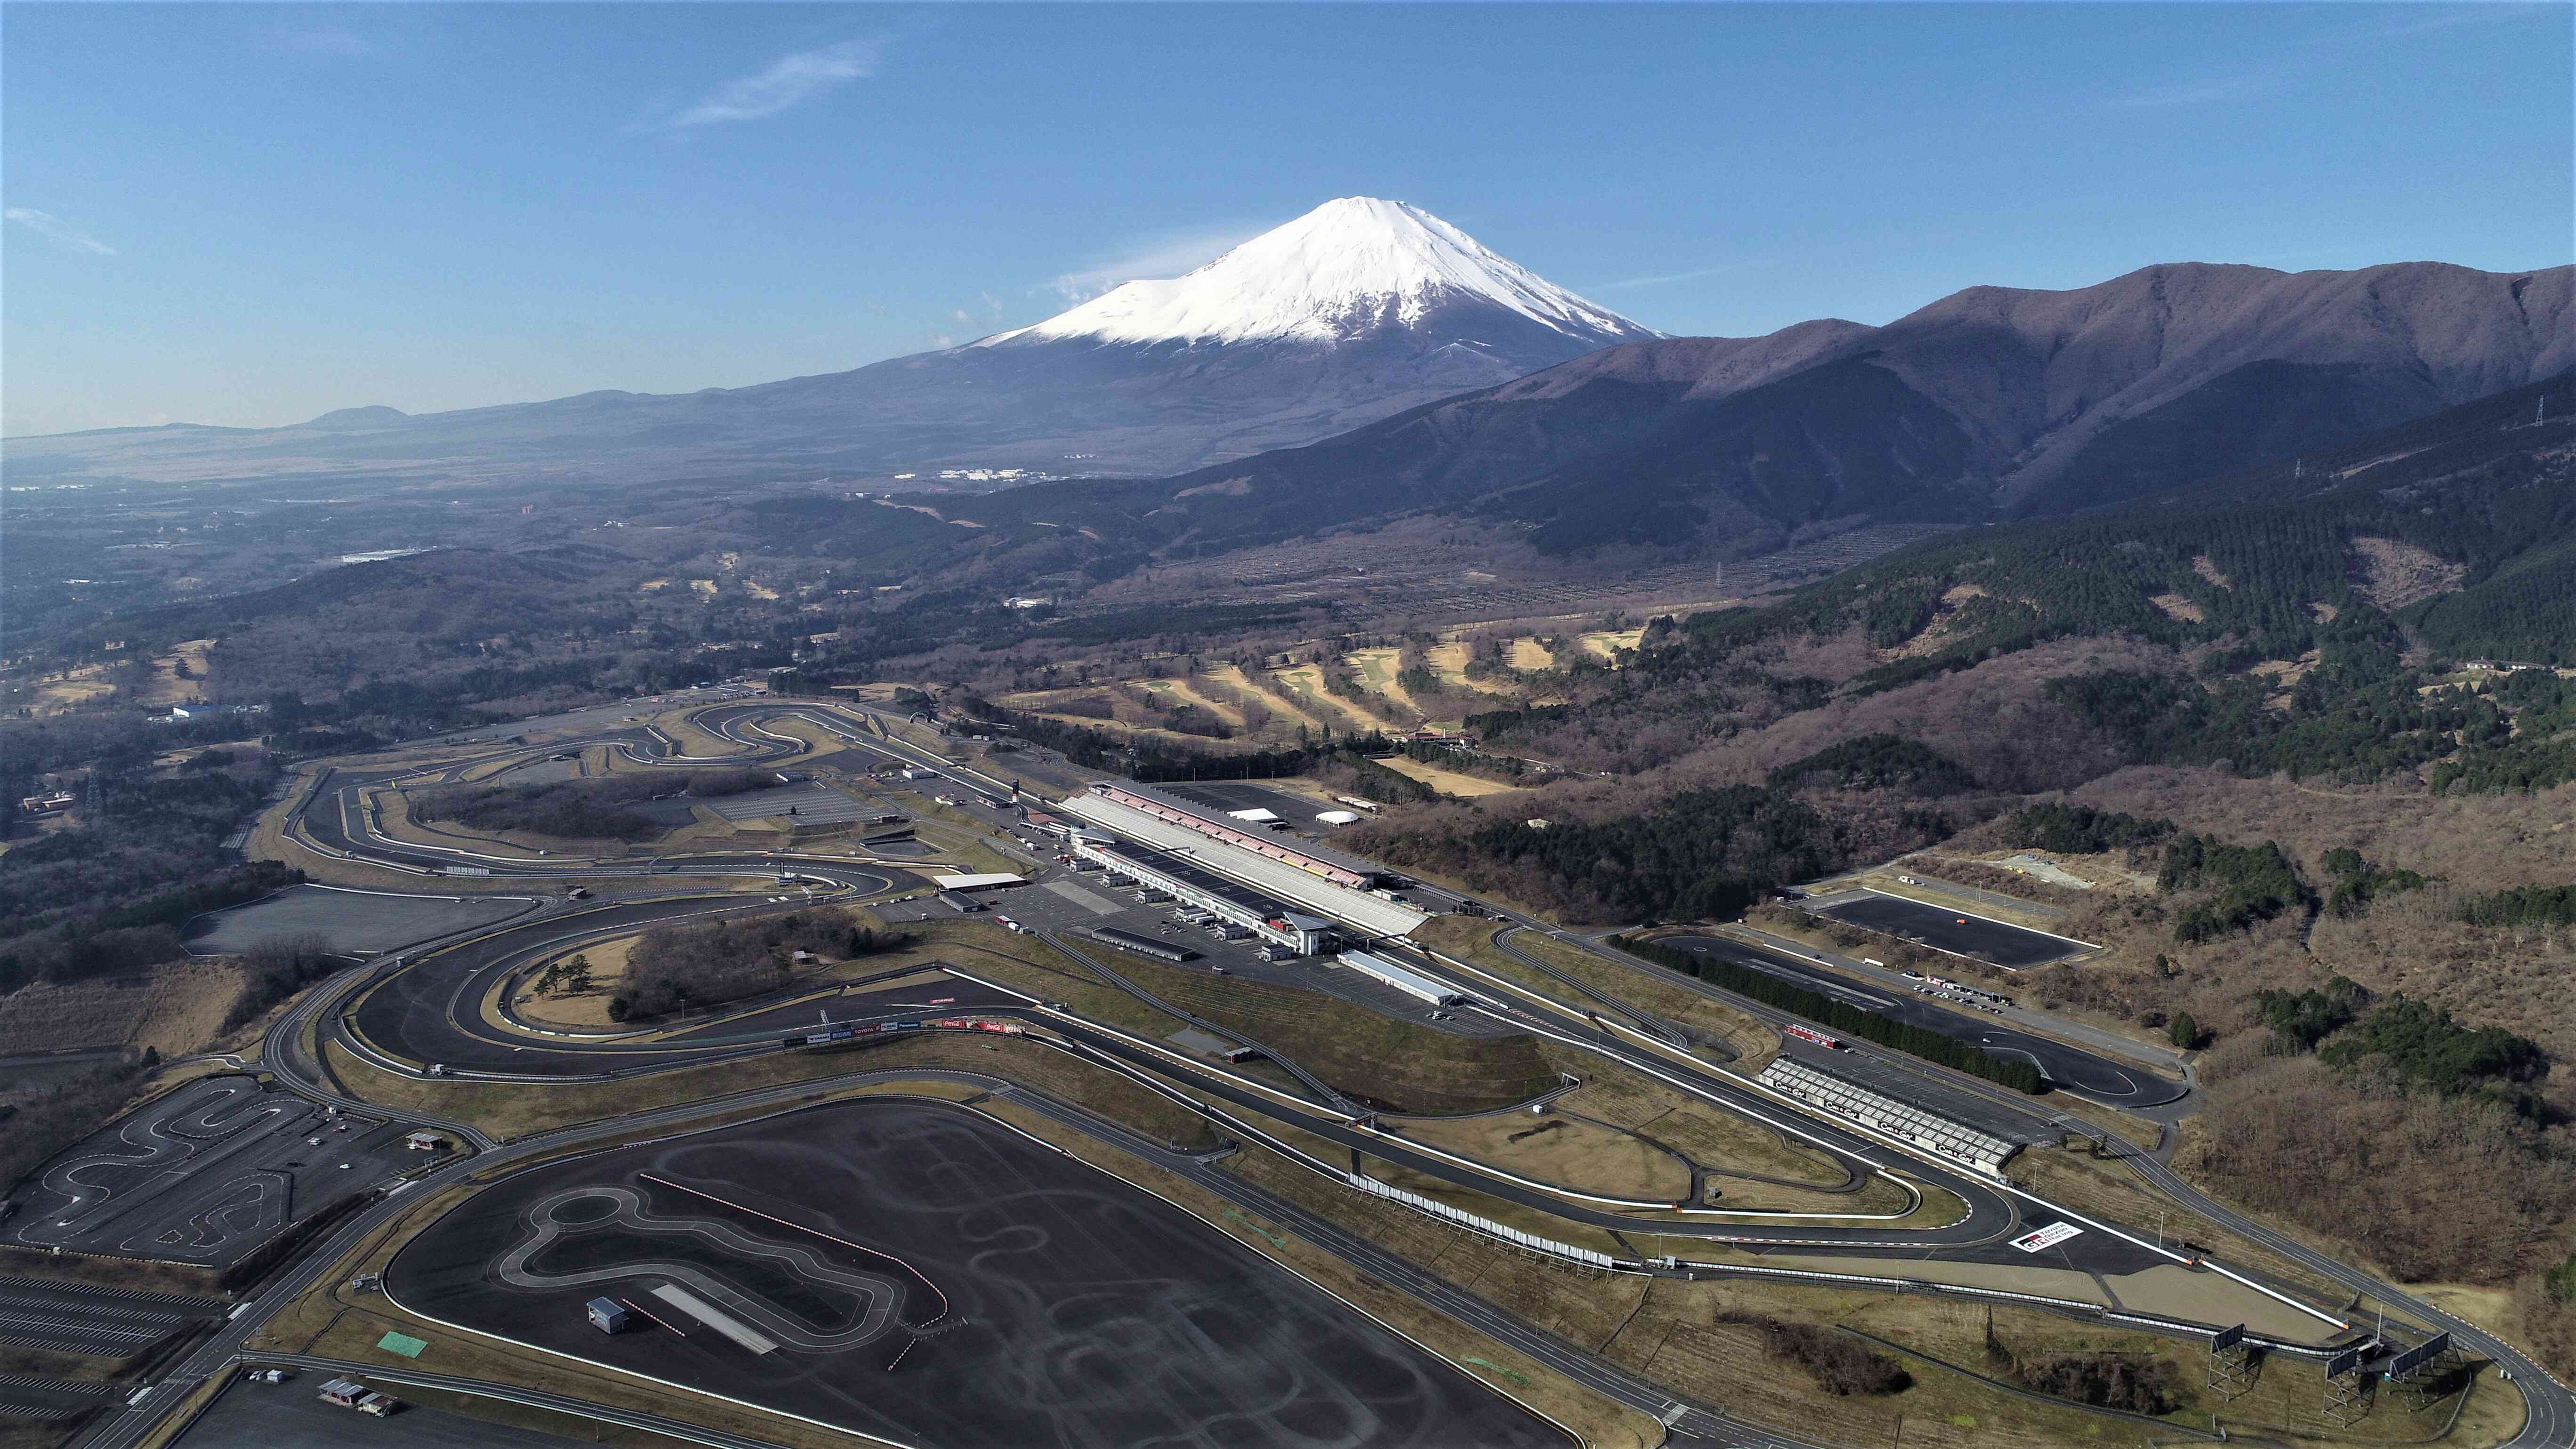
column 1947, row 930
column 1078, row 1310
column 431, row 1011
column 203, row 1175
column 2070, row 1068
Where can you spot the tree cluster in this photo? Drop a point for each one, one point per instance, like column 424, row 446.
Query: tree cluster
column 2080, row 829
column 2255, row 883
column 676, row 968
column 1932, row 1046
column 1839, row 1363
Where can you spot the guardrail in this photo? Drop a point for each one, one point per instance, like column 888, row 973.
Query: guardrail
column 1489, row 1227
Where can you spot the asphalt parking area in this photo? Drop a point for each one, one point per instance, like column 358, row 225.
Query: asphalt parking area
column 290, row 1416
column 203, row 1175
column 1227, row 796
column 812, row 804
column 83, row 1318
column 922, row 1273
column 356, row 923
column 1943, row 929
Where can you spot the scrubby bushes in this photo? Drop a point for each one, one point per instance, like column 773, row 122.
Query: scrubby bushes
column 586, row 809
column 2080, row 829
column 2358, row 882
column 564, row 809
column 678, row 967
column 1838, row 1362
column 2131, row 1382
column 1876, row 762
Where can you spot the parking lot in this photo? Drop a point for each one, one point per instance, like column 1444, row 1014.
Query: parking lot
column 810, row 804
column 82, row 1318
column 1943, row 929
column 1227, row 796
column 203, row 1175
column 356, row 923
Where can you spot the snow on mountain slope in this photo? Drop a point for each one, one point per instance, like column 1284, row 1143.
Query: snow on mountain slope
column 1345, row 270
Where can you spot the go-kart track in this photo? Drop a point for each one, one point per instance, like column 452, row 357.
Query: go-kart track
column 955, row 1193
column 913, row 1270
column 203, row 1175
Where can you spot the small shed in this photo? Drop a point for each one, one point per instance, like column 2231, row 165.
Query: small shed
column 608, row 1315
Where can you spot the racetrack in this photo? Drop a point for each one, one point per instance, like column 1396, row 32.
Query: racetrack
column 1077, row 1310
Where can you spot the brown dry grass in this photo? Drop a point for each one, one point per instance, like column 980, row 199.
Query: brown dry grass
column 1668, row 1331
column 174, row 1009
column 1449, row 661
column 1470, row 940
column 1448, row 782
column 1400, row 1064
column 1557, row 1149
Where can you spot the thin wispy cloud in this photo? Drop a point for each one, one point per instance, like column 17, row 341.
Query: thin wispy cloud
column 789, row 81
column 58, row 231
column 2200, row 93
column 1166, row 254
column 1669, row 277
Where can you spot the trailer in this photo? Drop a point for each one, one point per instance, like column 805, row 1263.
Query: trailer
column 1810, row 1034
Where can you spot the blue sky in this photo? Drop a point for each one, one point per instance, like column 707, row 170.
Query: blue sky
column 250, row 214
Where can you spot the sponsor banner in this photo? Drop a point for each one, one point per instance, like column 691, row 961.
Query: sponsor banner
column 2046, row 1238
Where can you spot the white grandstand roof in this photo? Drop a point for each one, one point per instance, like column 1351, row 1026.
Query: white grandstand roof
column 1287, row 882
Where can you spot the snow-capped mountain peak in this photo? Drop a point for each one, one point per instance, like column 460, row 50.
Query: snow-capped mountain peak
column 1348, row 269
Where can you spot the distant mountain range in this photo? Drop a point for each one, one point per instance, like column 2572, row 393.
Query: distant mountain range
column 1993, row 402
column 1356, row 310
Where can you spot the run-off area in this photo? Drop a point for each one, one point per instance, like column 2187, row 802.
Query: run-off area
column 1021, row 1297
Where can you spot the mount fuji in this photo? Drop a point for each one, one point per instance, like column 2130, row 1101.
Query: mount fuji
column 1356, row 311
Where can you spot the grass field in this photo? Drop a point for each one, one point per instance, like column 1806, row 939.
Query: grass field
column 1305, row 684
column 1529, row 654
column 1558, row 1150
column 1471, row 940
column 1394, row 1063
column 1287, row 707
column 1449, row 661
column 1448, row 782
column 1605, row 644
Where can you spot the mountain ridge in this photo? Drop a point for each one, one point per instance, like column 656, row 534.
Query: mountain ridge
column 1980, row 405
column 1359, row 309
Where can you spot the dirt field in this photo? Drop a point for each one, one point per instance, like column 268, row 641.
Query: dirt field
column 174, row 1008
column 1447, row 781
